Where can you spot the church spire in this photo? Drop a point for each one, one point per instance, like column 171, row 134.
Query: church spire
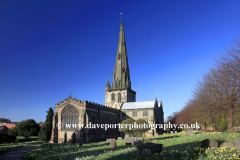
column 121, row 76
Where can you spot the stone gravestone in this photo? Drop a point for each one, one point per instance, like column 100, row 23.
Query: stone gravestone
column 228, row 144
column 139, row 140
column 186, row 131
column 113, row 143
column 209, row 143
column 156, row 134
column 236, row 127
column 108, row 140
column 131, row 140
column 171, row 132
column 175, row 132
column 238, row 145
column 119, row 138
column 190, row 131
column 148, row 149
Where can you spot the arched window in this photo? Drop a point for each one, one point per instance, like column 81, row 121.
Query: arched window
column 119, row 97
column 69, row 117
column 113, row 97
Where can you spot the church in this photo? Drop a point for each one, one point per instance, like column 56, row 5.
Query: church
column 120, row 104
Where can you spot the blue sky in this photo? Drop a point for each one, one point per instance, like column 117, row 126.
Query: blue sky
column 49, row 49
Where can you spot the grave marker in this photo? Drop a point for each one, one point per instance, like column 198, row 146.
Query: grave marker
column 113, row 143
column 190, row 131
column 209, row 143
column 238, row 145
column 139, row 140
column 119, row 138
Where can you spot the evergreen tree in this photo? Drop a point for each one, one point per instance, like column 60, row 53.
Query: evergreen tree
column 42, row 136
column 46, row 130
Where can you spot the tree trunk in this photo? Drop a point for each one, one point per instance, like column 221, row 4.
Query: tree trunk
column 230, row 118
column 204, row 125
column 214, row 125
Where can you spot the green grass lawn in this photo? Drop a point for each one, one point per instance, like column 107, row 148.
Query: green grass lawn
column 21, row 137
column 7, row 147
column 178, row 146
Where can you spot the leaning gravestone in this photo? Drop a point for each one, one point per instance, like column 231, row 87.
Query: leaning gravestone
column 113, row 143
column 171, row 132
column 209, row 143
column 238, row 145
column 139, row 140
column 190, row 131
column 228, row 144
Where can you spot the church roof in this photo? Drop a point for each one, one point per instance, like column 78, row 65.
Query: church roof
column 138, row 105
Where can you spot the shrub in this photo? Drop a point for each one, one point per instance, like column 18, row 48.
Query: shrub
column 127, row 129
column 138, row 132
column 28, row 128
column 13, row 132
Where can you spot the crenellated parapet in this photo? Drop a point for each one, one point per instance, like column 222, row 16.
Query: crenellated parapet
column 96, row 105
column 83, row 103
column 66, row 100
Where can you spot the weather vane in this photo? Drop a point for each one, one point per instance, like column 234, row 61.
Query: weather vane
column 69, row 94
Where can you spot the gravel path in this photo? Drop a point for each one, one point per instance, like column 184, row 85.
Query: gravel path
column 17, row 154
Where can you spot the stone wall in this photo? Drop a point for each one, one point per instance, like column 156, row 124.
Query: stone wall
column 89, row 112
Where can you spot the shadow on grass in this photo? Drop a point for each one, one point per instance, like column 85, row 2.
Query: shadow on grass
column 161, row 138
column 167, row 153
column 93, row 152
column 186, row 151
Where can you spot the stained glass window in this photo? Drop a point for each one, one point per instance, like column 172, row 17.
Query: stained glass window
column 70, row 117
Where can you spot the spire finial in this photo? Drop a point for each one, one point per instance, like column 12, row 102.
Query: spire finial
column 70, row 94
column 121, row 14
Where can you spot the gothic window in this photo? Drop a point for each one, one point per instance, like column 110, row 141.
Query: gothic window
column 119, row 97
column 70, row 116
column 116, row 106
column 134, row 113
column 145, row 113
column 113, row 97
column 119, row 56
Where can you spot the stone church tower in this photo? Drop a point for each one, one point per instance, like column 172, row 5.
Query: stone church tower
column 120, row 91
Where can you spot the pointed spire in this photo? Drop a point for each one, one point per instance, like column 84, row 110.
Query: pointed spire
column 121, row 76
column 156, row 102
column 108, row 85
column 160, row 106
